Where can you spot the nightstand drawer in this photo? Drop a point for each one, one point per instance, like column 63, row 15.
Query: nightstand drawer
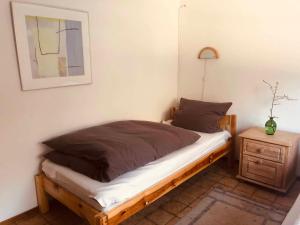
column 264, row 150
column 262, row 170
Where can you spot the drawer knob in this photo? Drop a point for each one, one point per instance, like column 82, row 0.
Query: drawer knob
column 259, row 150
column 257, row 162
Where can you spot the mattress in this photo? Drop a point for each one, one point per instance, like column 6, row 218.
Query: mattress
column 106, row 196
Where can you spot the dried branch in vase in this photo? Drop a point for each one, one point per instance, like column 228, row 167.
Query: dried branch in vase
column 276, row 99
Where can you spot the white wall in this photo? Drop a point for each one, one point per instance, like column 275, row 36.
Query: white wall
column 256, row 40
column 134, row 63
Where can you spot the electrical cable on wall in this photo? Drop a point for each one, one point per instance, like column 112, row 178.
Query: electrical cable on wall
column 204, row 79
column 181, row 6
column 207, row 53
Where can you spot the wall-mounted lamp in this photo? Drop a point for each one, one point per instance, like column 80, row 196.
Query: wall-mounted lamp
column 207, row 53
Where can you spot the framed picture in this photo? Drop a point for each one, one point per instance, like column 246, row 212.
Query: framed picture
column 53, row 46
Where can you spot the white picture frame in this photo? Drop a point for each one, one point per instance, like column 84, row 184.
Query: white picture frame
column 38, row 29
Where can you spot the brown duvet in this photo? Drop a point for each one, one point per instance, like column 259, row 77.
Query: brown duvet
column 107, row 151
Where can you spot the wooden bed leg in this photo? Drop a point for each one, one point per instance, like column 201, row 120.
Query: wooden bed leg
column 233, row 131
column 41, row 194
column 231, row 154
column 101, row 219
column 230, row 158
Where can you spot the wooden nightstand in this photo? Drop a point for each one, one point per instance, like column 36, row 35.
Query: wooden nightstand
column 266, row 160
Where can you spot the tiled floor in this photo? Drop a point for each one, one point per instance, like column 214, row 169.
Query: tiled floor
column 169, row 209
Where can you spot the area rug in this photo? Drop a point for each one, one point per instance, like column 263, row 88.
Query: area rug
column 226, row 208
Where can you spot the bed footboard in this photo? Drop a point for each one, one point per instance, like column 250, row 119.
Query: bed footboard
column 45, row 186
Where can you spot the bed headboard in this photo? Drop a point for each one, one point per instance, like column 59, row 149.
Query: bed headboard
column 228, row 122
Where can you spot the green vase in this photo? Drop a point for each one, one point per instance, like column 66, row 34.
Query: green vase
column 270, row 126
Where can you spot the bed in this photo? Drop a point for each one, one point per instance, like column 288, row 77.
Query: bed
column 112, row 203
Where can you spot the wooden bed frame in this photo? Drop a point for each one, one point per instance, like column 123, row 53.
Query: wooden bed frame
column 45, row 186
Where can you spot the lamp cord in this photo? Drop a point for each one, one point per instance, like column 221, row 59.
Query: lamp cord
column 204, row 79
column 179, row 47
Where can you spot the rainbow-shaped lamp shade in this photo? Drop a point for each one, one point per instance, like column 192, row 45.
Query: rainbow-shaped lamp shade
column 208, row 53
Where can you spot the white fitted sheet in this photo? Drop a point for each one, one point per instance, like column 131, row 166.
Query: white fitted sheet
column 126, row 186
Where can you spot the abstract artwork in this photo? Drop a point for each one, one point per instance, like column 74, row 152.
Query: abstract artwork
column 53, row 46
